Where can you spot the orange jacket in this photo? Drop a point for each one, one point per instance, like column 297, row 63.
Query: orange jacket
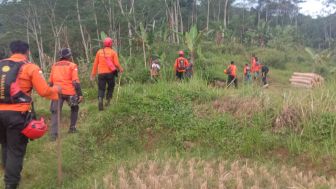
column 253, row 64
column 64, row 73
column 233, row 69
column 100, row 64
column 186, row 64
column 30, row 76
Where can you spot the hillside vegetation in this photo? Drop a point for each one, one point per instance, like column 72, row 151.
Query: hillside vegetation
column 231, row 136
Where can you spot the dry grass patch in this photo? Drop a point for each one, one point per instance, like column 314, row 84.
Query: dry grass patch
column 289, row 117
column 238, row 106
column 212, row 174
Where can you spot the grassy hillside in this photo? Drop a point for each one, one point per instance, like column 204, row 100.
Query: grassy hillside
column 191, row 134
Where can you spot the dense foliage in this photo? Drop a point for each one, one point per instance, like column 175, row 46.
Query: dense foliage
column 138, row 25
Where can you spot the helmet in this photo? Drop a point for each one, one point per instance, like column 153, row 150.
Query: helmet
column 35, row 129
column 65, row 53
column 108, row 42
column 181, row 53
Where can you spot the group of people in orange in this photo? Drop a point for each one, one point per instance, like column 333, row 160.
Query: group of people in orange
column 254, row 71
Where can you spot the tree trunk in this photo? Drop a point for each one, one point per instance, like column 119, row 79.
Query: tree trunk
column 225, row 13
column 208, row 15
column 84, row 40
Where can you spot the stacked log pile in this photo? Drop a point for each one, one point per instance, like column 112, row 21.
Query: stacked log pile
column 306, row 80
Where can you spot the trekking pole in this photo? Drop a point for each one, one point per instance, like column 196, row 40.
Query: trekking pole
column 119, row 81
column 231, row 82
column 59, row 144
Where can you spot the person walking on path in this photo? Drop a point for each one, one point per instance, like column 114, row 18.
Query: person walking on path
column 264, row 72
column 180, row 66
column 15, row 106
column 247, row 73
column 106, row 64
column 64, row 73
column 231, row 71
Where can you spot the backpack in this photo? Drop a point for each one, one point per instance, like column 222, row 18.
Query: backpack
column 10, row 91
column 180, row 64
column 228, row 71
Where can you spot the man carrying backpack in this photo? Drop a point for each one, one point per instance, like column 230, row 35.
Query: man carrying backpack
column 231, row 71
column 180, row 66
column 64, row 73
column 107, row 65
column 18, row 77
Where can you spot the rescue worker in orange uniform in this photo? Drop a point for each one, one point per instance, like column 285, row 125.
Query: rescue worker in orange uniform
column 231, row 71
column 64, row 73
column 106, row 64
column 253, row 66
column 180, row 66
column 17, row 72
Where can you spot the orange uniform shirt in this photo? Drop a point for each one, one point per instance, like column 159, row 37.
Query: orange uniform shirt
column 64, row 73
column 100, row 66
column 186, row 64
column 30, row 76
column 253, row 64
column 233, row 69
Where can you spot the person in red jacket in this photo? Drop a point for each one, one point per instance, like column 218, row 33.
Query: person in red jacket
column 180, row 66
column 231, row 71
column 15, row 107
column 64, row 73
column 106, row 64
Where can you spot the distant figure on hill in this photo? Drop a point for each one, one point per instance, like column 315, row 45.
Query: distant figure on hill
column 106, row 64
column 264, row 72
column 155, row 69
column 247, row 73
column 231, row 71
column 180, row 66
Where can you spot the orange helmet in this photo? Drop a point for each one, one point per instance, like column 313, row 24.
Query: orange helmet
column 108, row 42
column 181, row 53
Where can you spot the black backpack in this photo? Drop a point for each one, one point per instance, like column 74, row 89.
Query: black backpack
column 10, row 91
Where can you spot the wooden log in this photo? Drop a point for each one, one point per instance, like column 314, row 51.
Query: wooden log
column 302, row 78
column 302, row 81
column 304, row 74
column 302, row 86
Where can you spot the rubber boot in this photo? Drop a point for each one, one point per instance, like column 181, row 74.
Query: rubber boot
column 100, row 104
column 11, row 186
column 72, row 130
column 108, row 101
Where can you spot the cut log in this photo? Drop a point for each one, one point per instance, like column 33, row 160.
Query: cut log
column 309, row 82
column 301, row 85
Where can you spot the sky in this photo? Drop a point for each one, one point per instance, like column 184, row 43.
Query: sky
column 315, row 8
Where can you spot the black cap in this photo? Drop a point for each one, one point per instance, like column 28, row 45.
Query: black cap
column 65, row 53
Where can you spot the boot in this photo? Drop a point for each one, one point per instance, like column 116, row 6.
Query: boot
column 100, row 104
column 11, row 186
column 108, row 101
column 72, row 130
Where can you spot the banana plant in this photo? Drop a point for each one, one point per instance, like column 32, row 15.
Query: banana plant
column 192, row 39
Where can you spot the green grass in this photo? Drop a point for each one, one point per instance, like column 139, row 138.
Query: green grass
column 191, row 119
